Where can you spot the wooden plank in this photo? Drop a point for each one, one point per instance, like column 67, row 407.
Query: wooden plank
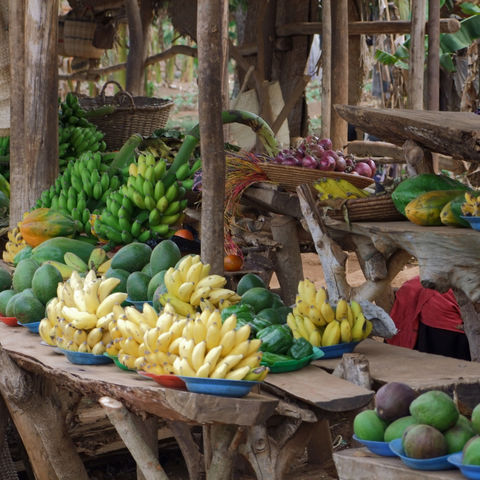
column 433, row 59
column 417, row 56
column 455, row 134
column 447, row 25
column 138, row 393
column 360, row 464
column 422, row 371
column 321, row 389
column 277, row 202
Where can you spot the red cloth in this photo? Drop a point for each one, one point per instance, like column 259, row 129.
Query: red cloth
column 414, row 303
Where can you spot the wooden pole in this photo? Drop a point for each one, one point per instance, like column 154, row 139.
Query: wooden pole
column 433, row 59
column 417, row 56
column 326, row 40
column 17, row 115
column 34, row 100
column 209, row 34
column 225, row 57
column 135, row 58
column 339, row 69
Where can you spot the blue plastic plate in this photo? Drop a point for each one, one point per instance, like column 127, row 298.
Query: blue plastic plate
column 32, row 327
column 435, row 463
column 336, row 351
column 218, row 386
column 294, row 364
column 380, row 448
column 469, row 471
column 81, row 358
column 473, row 221
column 138, row 304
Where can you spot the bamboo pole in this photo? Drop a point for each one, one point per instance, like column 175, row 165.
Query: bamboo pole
column 209, row 40
column 433, row 59
column 135, row 59
column 326, row 68
column 417, row 56
column 339, row 69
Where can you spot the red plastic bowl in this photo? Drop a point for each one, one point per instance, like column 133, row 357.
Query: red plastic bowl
column 169, row 381
column 10, row 321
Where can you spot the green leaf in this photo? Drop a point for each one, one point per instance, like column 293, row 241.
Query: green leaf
column 446, row 62
column 470, row 8
column 468, row 33
column 385, row 57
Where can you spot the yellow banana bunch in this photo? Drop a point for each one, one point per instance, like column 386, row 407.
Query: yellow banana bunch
column 471, row 206
column 190, row 287
column 330, row 188
column 15, row 244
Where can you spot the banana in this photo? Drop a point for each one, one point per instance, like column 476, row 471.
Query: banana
column 309, row 326
column 65, row 270
column 174, row 346
column 253, row 360
column 345, row 331
column 213, row 336
column 206, row 267
column 257, row 374
column 106, row 286
column 111, row 349
column 182, row 308
column 96, row 258
column 321, row 296
column 350, row 316
column 94, row 336
column 186, row 348
column 73, row 260
column 316, row 316
column 103, row 268
column 309, row 291
column 139, row 363
column 91, row 297
column 227, row 342
column 84, row 348
column 105, row 321
column 44, row 331
column 163, row 341
column 150, row 338
column 293, row 325
column 134, row 315
column 254, row 346
column 130, row 347
column 165, row 321
column 185, row 368
column 184, row 264
column 327, row 312
column 82, row 320
column 315, row 338
column 221, row 370
column 80, row 336
column 356, row 309
column 149, row 315
column 203, row 370
column 238, row 373
column 301, row 307
column 185, row 290
column 213, row 356
column 331, row 335
column 198, row 294
column 230, row 323
column 368, row 328
column 214, row 281
column 198, row 355
column 194, row 273
column 177, row 327
column 106, row 305
column 79, row 300
column 199, row 331
column 218, row 294
column 240, row 348
column 358, row 328
column 301, row 328
column 341, row 311
column 242, row 334
column 173, row 281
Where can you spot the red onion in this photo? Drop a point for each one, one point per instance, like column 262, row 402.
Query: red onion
column 325, row 143
column 316, row 151
column 340, row 164
column 327, row 162
column 371, row 164
column 309, row 162
column 290, row 160
column 363, row 169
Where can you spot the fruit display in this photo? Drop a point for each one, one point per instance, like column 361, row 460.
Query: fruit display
column 323, row 325
column 470, row 207
column 77, row 318
column 317, row 153
column 429, row 424
column 330, row 188
column 14, row 245
column 76, row 134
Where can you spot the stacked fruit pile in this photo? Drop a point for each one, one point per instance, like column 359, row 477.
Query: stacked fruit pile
column 316, row 320
column 77, row 319
column 429, row 424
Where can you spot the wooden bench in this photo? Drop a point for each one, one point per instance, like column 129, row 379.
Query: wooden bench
column 269, row 428
column 360, row 464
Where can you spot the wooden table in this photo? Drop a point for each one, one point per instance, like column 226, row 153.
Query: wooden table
column 269, row 428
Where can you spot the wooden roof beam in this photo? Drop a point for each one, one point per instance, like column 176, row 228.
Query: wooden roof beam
column 447, row 25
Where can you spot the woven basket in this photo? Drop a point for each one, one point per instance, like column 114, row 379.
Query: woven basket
column 76, row 39
column 131, row 115
column 376, row 208
column 291, row 177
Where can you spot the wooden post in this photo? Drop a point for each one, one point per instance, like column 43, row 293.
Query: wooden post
column 417, row 56
column 209, row 35
column 288, row 262
column 339, row 82
column 326, row 40
column 34, row 101
column 225, row 57
column 135, row 58
column 433, row 59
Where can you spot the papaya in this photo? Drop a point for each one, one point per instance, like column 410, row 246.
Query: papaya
column 412, row 187
column 5, row 296
column 5, row 279
column 43, row 223
column 55, row 249
column 132, row 257
column 45, row 282
column 22, row 277
column 425, row 209
column 165, row 255
column 137, row 286
column 451, row 213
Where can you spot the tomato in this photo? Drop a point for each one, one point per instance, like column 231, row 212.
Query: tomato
column 232, row 263
column 184, row 233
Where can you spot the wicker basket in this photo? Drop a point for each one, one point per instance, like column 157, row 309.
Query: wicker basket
column 291, row 177
column 130, row 115
column 76, row 39
column 375, row 208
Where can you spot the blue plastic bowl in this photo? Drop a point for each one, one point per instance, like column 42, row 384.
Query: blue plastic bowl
column 469, row 471
column 435, row 463
column 32, row 327
column 380, row 448
column 138, row 304
column 473, row 221
column 336, row 351
column 81, row 358
column 218, row 386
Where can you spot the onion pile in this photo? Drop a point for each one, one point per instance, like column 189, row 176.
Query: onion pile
column 317, row 153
